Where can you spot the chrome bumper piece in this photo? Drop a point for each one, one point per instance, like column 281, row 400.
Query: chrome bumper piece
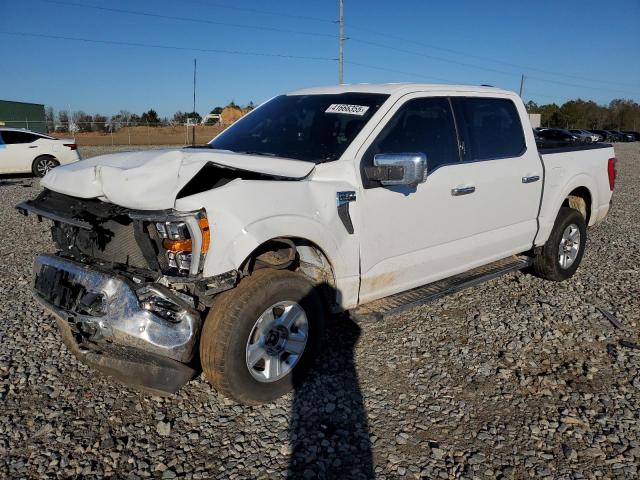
column 104, row 307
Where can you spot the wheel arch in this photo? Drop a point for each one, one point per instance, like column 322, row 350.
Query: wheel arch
column 581, row 187
column 292, row 253
column 579, row 192
column 580, row 199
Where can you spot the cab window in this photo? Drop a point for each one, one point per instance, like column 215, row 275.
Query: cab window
column 489, row 127
column 422, row 125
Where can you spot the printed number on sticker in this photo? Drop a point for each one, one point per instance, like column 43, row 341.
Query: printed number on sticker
column 347, row 109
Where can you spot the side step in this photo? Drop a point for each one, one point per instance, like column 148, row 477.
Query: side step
column 378, row 309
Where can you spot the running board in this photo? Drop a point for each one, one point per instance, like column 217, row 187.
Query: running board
column 378, row 309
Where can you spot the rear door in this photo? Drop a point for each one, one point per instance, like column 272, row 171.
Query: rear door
column 505, row 174
column 19, row 151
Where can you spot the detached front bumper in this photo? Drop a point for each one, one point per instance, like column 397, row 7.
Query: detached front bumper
column 142, row 334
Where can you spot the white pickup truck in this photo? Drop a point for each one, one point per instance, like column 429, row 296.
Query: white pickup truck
column 370, row 198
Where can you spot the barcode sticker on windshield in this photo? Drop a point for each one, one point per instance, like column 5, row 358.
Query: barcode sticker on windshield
column 348, row 109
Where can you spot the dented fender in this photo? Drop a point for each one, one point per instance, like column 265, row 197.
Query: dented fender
column 244, row 214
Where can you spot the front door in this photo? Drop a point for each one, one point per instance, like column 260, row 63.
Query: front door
column 473, row 208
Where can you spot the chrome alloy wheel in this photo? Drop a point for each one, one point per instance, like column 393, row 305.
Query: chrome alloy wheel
column 44, row 165
column 569, row 246
column 277, row 341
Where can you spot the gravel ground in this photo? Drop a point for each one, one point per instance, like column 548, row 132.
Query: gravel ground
column 516, row 378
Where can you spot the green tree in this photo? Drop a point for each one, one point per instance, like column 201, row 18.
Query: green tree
column 195, row 117
column 549, row 115
column 99, row 123
column 150, row 117
column 63, row 121
column 82, row 121
column 180, row 117
column 49, row 116
column 624, row 114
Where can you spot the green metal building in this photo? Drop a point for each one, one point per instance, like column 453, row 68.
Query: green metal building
column 23, row 115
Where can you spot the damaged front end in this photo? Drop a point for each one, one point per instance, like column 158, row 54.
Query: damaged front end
column 126, row 287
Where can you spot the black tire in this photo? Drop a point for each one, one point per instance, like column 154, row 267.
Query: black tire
column 42, row 164
column 231, row 321
column 546, row 263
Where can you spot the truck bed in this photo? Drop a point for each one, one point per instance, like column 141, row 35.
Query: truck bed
column 570, row 168
column 545, row 149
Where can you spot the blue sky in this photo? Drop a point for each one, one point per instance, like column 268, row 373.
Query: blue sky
column 567, row 49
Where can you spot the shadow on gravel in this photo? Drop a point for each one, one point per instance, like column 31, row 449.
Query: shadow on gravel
column 329, row 431
column 19, row 179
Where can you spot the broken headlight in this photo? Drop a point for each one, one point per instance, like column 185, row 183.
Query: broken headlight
column 179, row 240
column 183, row 241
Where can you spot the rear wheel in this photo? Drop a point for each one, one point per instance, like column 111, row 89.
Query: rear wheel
column 562, row 253
column 260, row 337
column 42, row 164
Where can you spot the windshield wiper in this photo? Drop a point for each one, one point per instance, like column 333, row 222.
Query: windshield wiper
column 255, row 152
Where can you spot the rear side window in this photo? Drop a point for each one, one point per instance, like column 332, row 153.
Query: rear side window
column 423, row 125
column 10, row 137
column 490, row 127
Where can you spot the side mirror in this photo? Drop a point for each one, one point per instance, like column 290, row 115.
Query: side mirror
column 398, row 169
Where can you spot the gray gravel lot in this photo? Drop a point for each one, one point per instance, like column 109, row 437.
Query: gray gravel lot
column 516, row 378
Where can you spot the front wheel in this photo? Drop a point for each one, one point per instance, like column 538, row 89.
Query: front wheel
column 562, row 253
column 260, row 337
column 43, row 164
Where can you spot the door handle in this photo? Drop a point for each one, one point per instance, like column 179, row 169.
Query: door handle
column 33, row 146
column 530, row 179
column 465, row 190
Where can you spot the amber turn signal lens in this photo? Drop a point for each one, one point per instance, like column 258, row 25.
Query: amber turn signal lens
column 206, row 234
column 177, row 245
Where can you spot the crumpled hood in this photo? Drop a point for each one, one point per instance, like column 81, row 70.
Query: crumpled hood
column 151, row 179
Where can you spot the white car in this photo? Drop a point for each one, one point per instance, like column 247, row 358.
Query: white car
column 23, row 151
column 372, row 198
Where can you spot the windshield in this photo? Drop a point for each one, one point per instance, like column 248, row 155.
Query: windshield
column 312, row 128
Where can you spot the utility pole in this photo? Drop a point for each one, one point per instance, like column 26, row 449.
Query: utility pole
column 521, row 84
column 193, row 133
column 341, row 58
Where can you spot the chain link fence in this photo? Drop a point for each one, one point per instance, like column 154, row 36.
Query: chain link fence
column 122, row 132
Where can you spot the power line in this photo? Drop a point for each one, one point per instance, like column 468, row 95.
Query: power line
column 264, row 12
column 168, row 47
column 407, row 40
column 484, row 58
column 439, row 79
column 188, row 19
column 237, row 52
column 520, row 67
column 478, row 67
column 432, row 57
column 402, row 72
column 366, row 42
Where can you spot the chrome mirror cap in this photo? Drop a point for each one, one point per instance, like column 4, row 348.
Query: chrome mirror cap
column 413, row 167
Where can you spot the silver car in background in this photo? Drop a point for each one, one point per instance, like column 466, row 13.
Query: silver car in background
column 586, row 136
